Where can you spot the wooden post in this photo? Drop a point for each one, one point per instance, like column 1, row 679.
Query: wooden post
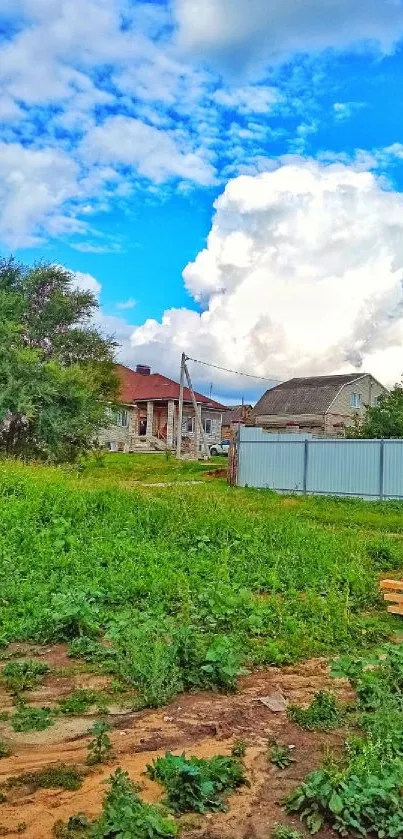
column 197, row 413
column 180, row 409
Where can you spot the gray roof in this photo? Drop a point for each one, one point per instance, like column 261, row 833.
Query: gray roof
column 233, row 413
column 303, row 396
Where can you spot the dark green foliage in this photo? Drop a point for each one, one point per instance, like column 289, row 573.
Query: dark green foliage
column 61, row 775
column 125, row 815
column 56, row 370
column 100, row 748
column 280, row 754
column 18, row 677
column 197, row 785
column 385, row 419
column 32, row 719
column 323, row 714
column 223, row 665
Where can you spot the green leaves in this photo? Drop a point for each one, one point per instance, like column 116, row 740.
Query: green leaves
column 323, row 714
column 125, row 816
column 197, row 785
column 56, row 371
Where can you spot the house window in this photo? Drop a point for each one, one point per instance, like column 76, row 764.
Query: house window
column 355, row 400
column 122, row 418
column 190, row 425
column 375, row 401
column 207, row 425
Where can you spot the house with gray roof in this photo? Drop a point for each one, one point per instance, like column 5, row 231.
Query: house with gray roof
column 322, row 405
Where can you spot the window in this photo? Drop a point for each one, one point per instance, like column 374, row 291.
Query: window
column 190, row 426
column 375, row 401
column 122, row 418
column 355, row 400
column 207, row 425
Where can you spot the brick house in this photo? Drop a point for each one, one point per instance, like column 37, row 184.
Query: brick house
column 232, row 418
column 148, row 414
column 323, row 405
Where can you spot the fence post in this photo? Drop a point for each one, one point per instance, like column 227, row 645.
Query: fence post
column 381, row 468
column 304, row 480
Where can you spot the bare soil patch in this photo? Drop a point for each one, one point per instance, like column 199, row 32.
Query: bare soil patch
column 203, row 724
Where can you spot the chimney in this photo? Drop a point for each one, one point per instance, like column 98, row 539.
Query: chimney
column 143, row 370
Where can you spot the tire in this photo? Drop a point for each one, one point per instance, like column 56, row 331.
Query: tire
column 213, row 452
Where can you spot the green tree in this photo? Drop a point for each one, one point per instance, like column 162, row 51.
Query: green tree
column 56, row 369
column 384, row 419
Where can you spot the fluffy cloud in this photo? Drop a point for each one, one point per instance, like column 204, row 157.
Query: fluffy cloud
column 34, row 184
column 156, row 154
column 302, row 274
column 235, row 33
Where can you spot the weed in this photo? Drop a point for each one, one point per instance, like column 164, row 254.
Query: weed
column 23, row 676
column 32, row 719
column 4, row 749
column 61, row 775
column 283, row 831
column 197, row 785
column 239, row 749
column 223, row 665
column 124, row 814
column 77, row 827
column 280, row 755
column 100, row 748
column 323, row 714
column 78, row 702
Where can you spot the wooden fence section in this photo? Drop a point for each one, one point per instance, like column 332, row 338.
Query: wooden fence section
column 393, row 593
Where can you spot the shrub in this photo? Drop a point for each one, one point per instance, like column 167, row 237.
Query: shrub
column 124, row 814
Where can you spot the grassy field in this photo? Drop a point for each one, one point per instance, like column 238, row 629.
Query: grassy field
column 188, row 582
column 161, row 578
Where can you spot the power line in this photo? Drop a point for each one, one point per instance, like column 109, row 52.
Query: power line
column 237, row 372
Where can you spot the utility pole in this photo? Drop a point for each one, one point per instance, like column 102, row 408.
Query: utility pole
column 180, row 409
column 197, row 413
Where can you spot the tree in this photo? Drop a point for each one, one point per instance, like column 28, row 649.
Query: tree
column 384, row 419
column 56, row 370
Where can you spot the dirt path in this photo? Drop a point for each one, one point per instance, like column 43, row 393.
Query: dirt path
column 203, row 724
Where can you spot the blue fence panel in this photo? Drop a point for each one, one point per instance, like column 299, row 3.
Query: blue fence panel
column 299, row 463
column 393, row 469
column 271, row 463
column 344, row 467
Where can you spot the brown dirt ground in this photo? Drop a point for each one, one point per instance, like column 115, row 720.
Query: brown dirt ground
column 203, row 724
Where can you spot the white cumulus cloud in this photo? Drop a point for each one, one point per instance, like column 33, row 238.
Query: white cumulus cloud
column 302, row 274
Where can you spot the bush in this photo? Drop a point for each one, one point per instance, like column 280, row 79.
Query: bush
column 197, row 785
column 18, row 677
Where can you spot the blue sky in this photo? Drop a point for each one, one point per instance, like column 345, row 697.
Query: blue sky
column 226, row 176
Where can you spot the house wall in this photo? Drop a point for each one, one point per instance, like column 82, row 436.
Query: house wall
column 313, row 423
column 340, row 413
column 119, row 437
column 214, row 416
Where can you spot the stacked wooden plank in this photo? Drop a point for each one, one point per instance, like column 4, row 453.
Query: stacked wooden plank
column 393, row 594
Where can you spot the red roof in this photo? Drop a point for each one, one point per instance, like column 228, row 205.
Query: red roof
column 134, row 387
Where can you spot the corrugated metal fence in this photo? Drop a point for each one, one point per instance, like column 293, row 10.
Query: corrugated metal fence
column 326, row 466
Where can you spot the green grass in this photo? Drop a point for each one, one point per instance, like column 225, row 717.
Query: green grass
column 190, row 582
